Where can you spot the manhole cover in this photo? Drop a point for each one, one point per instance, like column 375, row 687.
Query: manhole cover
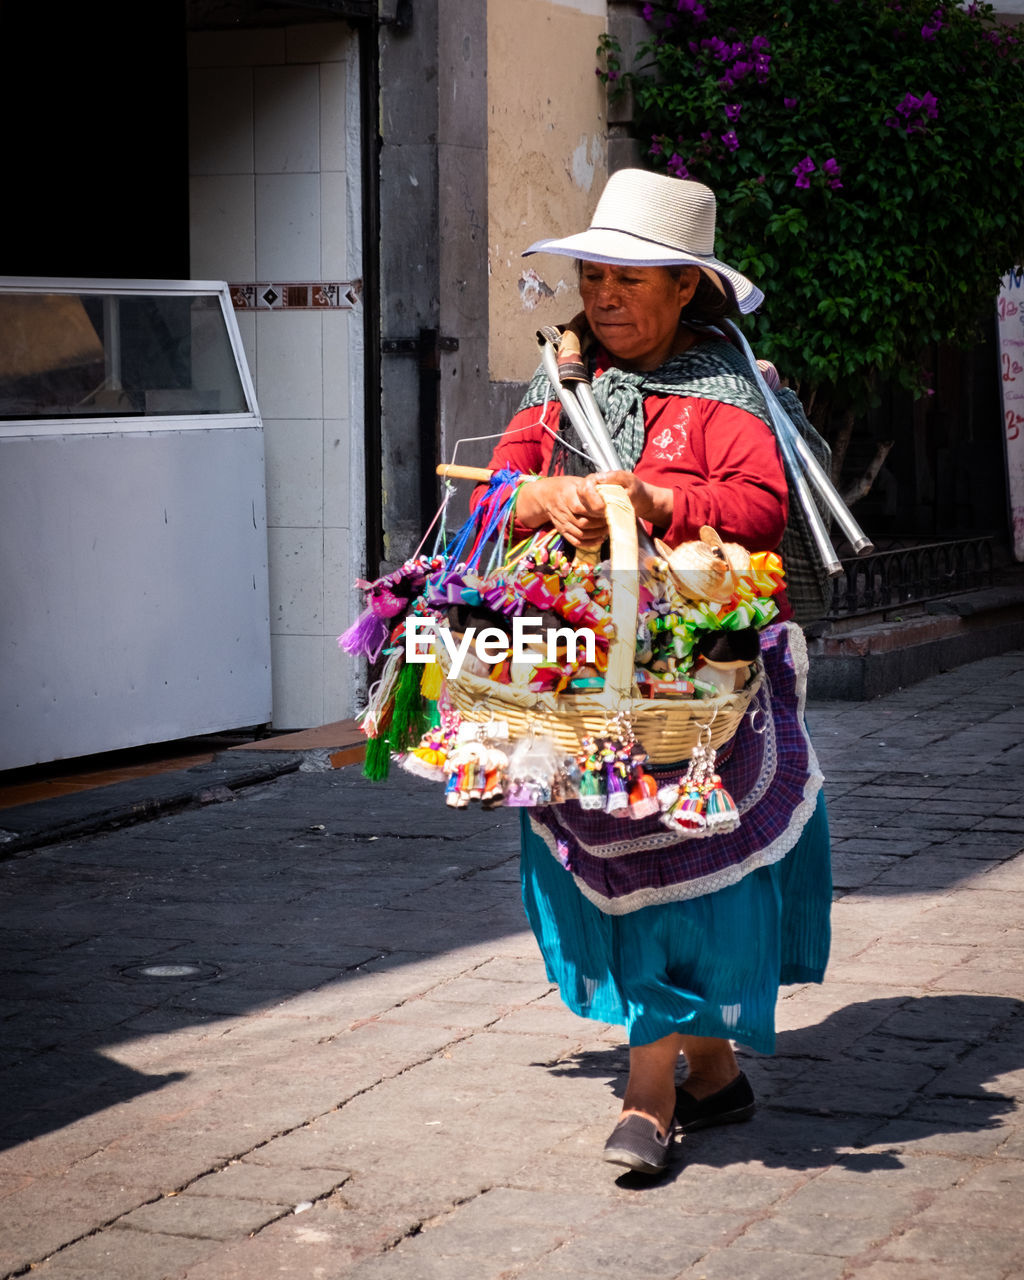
column 171, row 970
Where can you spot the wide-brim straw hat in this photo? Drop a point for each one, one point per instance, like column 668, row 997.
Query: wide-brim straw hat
column 649, row 219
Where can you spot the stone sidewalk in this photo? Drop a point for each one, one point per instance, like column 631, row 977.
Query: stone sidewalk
column 349, row 1063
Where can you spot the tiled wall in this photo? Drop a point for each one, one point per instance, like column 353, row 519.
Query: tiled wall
column 274, row 186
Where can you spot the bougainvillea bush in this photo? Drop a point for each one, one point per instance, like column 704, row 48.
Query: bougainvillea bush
column 867, row 156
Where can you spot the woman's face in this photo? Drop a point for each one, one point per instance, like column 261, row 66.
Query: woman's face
column 634, row 311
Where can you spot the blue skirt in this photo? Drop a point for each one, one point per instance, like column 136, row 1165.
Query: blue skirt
column 704, row 966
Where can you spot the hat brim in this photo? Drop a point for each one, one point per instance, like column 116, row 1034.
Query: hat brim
column 619, row 248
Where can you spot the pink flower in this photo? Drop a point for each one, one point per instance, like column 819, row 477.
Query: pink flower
column 803, row 170
column 732, row 111
column 730, row 140
column 916, row 113
column 677, row 166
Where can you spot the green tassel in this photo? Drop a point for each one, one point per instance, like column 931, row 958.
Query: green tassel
column 409, row 720
column 378, row 758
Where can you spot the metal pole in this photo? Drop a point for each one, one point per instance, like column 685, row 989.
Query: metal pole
column 585, row 415
column 795, row 454
column 601, row 452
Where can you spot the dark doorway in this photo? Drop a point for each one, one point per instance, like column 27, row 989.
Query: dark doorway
column 96, row 140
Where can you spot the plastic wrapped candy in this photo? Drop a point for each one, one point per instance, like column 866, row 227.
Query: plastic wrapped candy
column 536, row 774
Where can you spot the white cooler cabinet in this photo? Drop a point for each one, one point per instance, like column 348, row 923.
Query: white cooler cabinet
column 133, row 548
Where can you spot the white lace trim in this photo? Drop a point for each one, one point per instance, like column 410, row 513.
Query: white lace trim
column 770, row 854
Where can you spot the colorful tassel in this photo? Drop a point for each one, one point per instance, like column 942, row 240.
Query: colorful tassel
column 365, row 636
column 431, row 681
column 720, row 809
column 377, row 716
column 688, row 814
column 700, row 805
column 378, row 759
column 409, row 718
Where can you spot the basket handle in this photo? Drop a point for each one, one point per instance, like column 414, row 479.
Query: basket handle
column 622, row 530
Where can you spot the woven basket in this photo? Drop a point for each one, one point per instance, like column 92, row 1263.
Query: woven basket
column 669, row 728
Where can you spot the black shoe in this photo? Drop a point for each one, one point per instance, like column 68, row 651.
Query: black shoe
column 637, row 1143
column 728, row 1106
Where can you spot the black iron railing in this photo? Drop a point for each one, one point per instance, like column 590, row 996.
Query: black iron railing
column 911, row 574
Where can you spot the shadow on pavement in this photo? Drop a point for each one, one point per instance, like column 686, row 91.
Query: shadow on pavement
column 64, row 1089
column 300, row 887
column 861, row 1085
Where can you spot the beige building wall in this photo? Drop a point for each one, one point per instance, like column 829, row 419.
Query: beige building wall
column 547, row 164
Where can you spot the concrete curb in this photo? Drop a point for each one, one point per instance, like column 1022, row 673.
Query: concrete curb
column 858, row 663
column 861, row 677
column 26, row 827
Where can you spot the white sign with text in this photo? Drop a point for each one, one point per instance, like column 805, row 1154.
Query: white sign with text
column 1011, row 369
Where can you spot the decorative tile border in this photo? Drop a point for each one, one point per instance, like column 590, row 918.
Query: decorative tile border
column 265, row 296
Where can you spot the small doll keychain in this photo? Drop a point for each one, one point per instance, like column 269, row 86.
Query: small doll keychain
column 699, row 804
column 643, row 790
column 619, row 782
column 592, row 785
column 476, row 765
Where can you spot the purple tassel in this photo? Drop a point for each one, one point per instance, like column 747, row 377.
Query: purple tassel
column 366, row 635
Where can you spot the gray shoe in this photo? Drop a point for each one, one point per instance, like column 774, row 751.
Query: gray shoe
column 636, row 1143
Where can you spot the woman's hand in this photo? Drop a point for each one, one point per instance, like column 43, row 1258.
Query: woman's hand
column 651, row 502
column 570, row 503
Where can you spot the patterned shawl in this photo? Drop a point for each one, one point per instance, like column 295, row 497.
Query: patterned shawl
column 707, row 371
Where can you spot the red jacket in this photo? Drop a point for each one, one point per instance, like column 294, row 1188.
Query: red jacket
column 721, row 462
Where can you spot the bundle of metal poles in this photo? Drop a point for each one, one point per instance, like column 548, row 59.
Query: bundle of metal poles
column 567, row 373
column 804, row 472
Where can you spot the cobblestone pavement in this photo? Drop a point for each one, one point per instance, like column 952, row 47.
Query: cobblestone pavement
column 369, row 1076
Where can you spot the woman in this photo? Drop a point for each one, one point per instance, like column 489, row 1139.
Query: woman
column 684, row 941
